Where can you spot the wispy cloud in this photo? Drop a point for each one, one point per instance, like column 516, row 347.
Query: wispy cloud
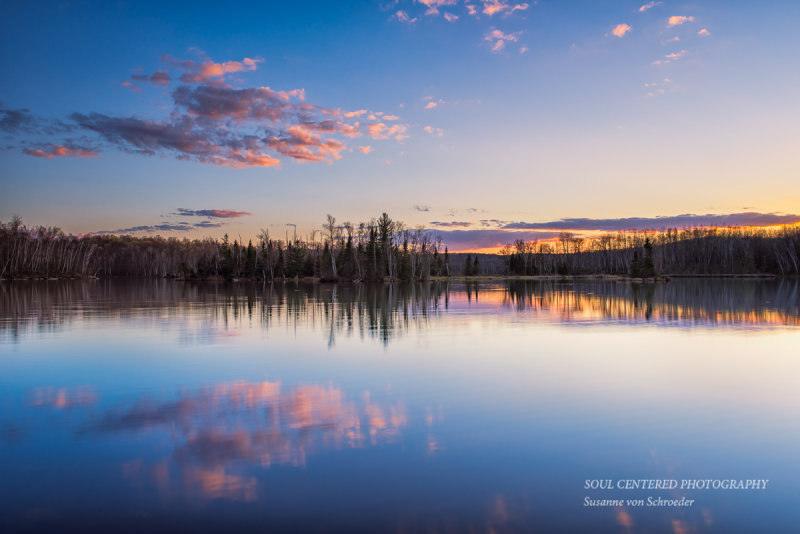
column 648, row 5
column 673, row 56
column 403, row 17
column 14, row 120
column 365, row 149
column 421, row 207
column 498, row 39
column 50, row 151
column 161, row 78
column 687, row 220
column 704, row 32
column 452, row 224
column 434, row 5
column 677, row 20
column 493, row 7
column 660, row 88
column 620, row 30
column 380, row 130
column 438, row 132
column 221, row 214
column 204, row 69
column 163, row 227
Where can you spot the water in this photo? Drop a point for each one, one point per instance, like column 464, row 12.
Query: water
column 153, row 405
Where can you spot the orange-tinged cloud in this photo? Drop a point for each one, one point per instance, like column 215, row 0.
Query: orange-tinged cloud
column 493, row 7
column 677, row 20
column 215, row 123
column 620, row 30
column 704, row 32
column 434, row 131
column 380, row 130
column 648, row 5
column 240, row 159
column 57, row 151
column 365, row 149
column 206, row 70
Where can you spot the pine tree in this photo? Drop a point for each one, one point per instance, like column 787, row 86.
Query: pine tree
column 649, row 266
column 636, row 264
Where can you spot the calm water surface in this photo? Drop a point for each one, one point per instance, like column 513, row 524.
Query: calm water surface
column 158, row 406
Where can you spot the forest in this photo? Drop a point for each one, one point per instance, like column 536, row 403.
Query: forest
column 384, row 249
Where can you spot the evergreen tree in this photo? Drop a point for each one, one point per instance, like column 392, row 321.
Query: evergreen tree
column 636, row 264
column 280, row 269
column 250, row 260
column 648, row 266
column 405, row 264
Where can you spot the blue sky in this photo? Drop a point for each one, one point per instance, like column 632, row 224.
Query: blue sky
column 586, row 110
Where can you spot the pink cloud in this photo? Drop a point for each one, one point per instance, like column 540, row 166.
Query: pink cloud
column 216, row 123
column 129, row 85
column 498, row 39
column 704, row 32
column 402, row 16
column 365, row 149
column 205, row 70
column 50, row 151
column 221, row 214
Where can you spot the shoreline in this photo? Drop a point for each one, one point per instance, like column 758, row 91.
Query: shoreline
column 459, row 278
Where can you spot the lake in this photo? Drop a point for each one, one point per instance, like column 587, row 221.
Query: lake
column 130, row 405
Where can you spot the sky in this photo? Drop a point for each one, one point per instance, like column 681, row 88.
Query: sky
column 484, row 120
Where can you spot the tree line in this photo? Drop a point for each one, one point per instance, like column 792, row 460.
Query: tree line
column 386, row 249
column 696, row 251
column 376, row 250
